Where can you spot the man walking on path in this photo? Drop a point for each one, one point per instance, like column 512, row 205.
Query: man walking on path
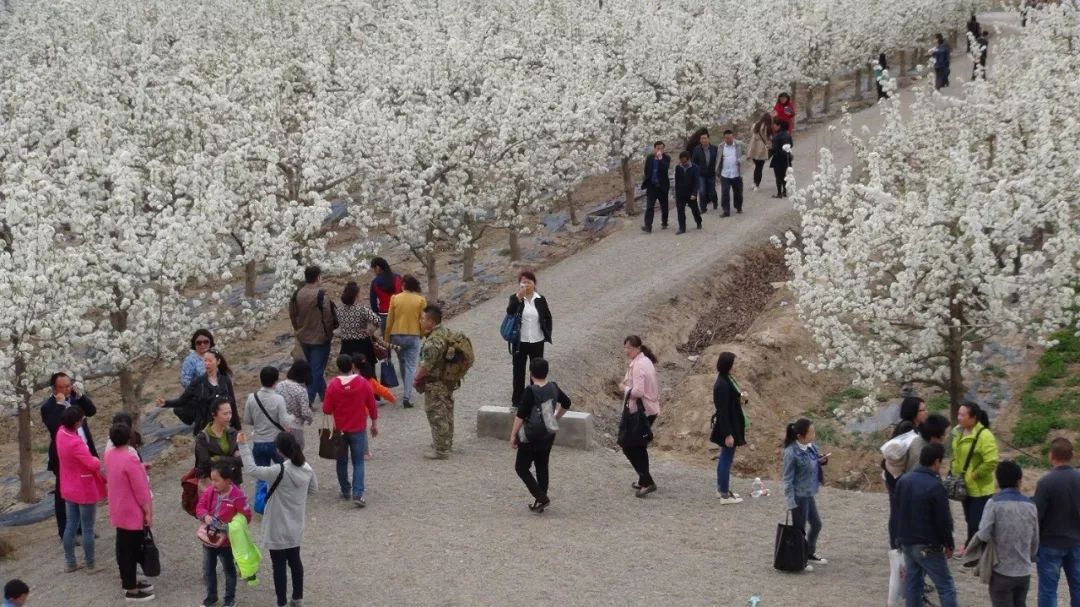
column 267, row 415
column 1057, row 497
column 705, row 157
column 312, row 315
column 731, row 172
column 438, row 394
column 1010, row 521
column 686, row 188
column 942, row 55
column 925, row 528
column 656, row 185
column 64, row 396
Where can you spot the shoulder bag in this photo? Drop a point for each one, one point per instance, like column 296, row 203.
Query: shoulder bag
column 789, row 551
column 263, row 409
column 955, row 486
column 331, row 440
column 635, row 430
column 262, row 495
column 151, row 558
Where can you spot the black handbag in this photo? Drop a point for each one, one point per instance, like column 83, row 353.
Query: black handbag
column 331, row 441
column 151, row 559
column 790, row 552
column 635, row 429
column 387, row 376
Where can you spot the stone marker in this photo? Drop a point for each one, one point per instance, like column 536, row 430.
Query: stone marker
column 575, row 428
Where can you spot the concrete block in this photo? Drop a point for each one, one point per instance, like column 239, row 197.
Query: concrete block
column 575, row 428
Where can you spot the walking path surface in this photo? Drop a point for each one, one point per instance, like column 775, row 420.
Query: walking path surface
column 457, row 533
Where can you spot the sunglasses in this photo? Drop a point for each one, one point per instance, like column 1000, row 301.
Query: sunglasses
column 202, row 341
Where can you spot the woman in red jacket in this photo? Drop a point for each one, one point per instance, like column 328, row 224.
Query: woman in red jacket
column 350, row 400
column 784, row 111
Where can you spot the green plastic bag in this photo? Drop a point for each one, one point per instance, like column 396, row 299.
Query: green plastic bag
column 245, row 552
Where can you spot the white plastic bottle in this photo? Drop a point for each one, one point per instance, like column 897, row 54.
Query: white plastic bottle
column 755, row 489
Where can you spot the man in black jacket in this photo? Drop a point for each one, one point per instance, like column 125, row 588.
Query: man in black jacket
column 705, row 156
column 686, row 188
column 1057, row 498
column 656, row 185
column 64, row 396
column 925, row 527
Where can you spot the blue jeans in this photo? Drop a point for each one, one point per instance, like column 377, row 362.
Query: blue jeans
column 723, row 469
column 706, row 192
column 264, row 454
column 1050, row 562
column 211, row 556
column 408, row 357
column 79, row 514
column 806, row 512
column 317, row 355
column 921, row 561
column 357, row 443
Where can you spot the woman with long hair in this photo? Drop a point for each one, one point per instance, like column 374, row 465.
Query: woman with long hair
column 760, row 143
column 729, row 425
column 291, row 482
column 784, row 111
column 802, row 479
column 404, row 332
column 641, row 391
column 356, row 324
column 193, row 406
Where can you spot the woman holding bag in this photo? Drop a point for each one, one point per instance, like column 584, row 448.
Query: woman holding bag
column 536, row 325
column 291, row 482
column 641, row 390
column 131, row 510
column 975, row 456
column 802, row 479
column 729, row 426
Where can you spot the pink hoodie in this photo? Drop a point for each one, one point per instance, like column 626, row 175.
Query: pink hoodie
column 81, row 481
column 129, row 491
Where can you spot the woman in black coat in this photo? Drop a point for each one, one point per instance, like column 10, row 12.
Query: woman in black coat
column 536, row 327
column 781, row 159
column 729, row 426
column 193, row 406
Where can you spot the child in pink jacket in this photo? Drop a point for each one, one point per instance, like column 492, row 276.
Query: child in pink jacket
column 81, row 485
column 221, row 501
column 131, row 510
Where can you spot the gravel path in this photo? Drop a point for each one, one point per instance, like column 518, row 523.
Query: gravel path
column 457, row 533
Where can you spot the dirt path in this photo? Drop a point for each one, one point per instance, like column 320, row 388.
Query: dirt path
column 457, row 533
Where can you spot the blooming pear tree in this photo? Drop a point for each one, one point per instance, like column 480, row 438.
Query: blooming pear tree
column 905, row 271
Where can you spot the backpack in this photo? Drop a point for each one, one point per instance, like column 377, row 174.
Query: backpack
column 459, row 357
column 319, row 299
column 541, row 423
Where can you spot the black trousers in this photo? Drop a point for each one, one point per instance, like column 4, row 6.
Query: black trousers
column 680, row 212
column 128, row 556
column 1006, row 591
column 728, row 185
column 538, row 455
column 280, row 559
column 639, row 459
column 365, row 347
column 759, row 168
column 652, row 196
column 781, row 180
column 524, row 353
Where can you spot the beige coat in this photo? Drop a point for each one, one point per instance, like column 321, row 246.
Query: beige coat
column 759, row 144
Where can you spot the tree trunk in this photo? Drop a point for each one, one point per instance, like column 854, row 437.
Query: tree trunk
column 859, row 84
column 573, row 209
column 901, row 65
column 914, row 60
column 808, row 104
column 956, row 355
column 129, row 395
column 628, row 188
column 794, row 85
column 250, row 274
column 515, row 245
column 25, row 440
column 432, row 272
column 826, row 98
column 468, row 263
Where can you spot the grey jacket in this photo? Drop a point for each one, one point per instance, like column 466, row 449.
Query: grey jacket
column 283, row 521
column 1011, row 522
column 981, row 557
column 261, row 427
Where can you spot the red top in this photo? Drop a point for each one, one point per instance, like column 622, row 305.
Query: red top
column 785, row 112
column 350, row 402
column 383, row 296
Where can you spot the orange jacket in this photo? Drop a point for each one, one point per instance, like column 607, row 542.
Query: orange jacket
column 381, row 391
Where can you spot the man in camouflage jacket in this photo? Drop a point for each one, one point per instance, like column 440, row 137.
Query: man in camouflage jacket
column 438, row 394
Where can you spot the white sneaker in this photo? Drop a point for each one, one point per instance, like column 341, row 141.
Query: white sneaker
column 813, row 558
column 727, row 501
column 809, row 568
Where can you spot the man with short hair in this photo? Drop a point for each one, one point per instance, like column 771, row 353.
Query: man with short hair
column 925, row 528
column 686, row 189
column 267, row 415
column 1057, row 498
column 731, row 173
column 705, row 157
column 1011, row 522
column 941, row 55
column 16, row 593
column 64, row 395
column 438, row 394
column 656, row 185
column 313, row 319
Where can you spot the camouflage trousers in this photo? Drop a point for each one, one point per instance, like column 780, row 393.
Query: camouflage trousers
column 439, row 406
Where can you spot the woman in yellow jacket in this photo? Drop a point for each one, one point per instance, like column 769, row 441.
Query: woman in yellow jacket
column 972, row 436
column 403, row 330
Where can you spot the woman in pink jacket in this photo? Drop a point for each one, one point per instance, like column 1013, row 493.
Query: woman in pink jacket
column 131, row 510
column 81, row 485
column 640, row 388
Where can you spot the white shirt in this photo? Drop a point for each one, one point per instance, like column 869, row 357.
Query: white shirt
column 531, row 332
column 730, row 166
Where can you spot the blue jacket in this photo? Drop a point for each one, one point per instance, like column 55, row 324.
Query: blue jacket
column 922, row 506
column 802, row 473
